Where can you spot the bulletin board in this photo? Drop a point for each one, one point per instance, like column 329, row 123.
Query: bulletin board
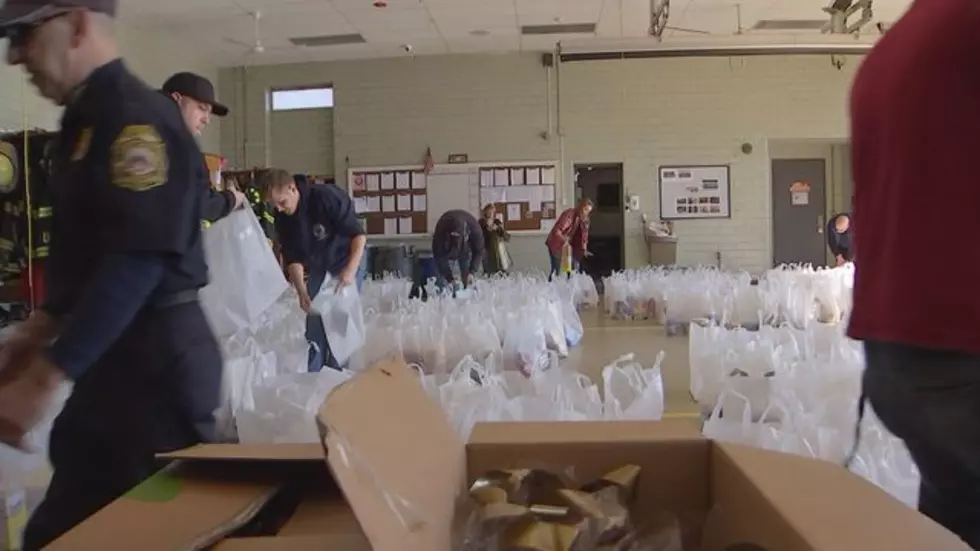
column 526, row 191
column 692, row 192
column 524, row 194
column 390, row 202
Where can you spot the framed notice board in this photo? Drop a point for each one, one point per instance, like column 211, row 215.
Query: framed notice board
column 691, row 192
column 524, row 194
column 391, row 202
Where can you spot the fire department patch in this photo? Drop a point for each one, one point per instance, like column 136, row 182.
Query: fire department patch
column 139, row 158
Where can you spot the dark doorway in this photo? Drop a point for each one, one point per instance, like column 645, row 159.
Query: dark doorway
column 603, row 184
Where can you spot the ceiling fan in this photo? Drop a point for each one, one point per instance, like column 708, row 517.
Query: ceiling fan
column 660, row 17
column 256, row 47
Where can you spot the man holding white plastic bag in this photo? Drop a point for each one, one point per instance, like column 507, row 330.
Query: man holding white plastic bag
column 322, row 240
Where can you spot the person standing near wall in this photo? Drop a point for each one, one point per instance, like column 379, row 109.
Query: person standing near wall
column 839, row 239
column 570, row 230
column 194, row 95
column 914, row 120
column 320, row 236
column 495, row 237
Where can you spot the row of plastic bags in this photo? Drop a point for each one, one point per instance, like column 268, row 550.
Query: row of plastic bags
column 516, row 319
column 283, row 408
column 798, row 295
column 795, row 391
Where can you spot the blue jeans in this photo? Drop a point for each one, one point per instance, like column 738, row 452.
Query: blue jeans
column 556, row 264
column 319, row 354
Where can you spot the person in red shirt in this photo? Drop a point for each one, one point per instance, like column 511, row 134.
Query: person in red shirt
column 915, row 138
column 571, row 228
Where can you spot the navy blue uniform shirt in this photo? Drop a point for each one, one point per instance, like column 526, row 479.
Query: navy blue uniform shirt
column 319, row 234
column 127, row 205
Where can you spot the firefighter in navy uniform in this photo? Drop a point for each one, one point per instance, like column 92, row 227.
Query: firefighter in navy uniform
column 122, row 317
column 194, row 96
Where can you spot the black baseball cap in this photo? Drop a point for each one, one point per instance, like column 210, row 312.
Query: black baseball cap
column 31, row 12
column 195, row 87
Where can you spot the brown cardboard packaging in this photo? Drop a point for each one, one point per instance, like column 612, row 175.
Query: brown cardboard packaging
column 402, row 469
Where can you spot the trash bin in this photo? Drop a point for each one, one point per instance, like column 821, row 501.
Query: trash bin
column 663, row 249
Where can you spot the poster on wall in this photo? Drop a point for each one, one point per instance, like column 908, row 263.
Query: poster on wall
column 689, row 192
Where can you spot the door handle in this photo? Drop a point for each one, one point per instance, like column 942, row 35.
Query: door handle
column 820, row 224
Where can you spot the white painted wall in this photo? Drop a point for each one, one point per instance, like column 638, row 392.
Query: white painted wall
column 642, row 113
column 151, row 54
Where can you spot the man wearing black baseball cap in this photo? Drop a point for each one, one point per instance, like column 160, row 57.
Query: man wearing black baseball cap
column 121, row 316
column 194, row 95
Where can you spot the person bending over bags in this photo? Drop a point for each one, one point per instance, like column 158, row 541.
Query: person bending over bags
column 320, row 236
column 457, row 238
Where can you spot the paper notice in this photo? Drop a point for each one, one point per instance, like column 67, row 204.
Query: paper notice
column 391, row 226
column 373, row 204
column 533, row 176
column 534, row 199
column 501, row 177
column 403, row 180
column 358, row 183
column 404, row 203
column 418, row 203
column 517, row 176
column 418, row 180
column 513, row 212
column 387, row 180
column 404, row 225
column 373, row 181
column 388, row 203
column 360, row 204
column 486, row 178
column 548, row 176
column 547, row 193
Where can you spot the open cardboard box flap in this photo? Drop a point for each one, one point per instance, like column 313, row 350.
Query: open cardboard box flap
column 402, row 468
column 191, row 504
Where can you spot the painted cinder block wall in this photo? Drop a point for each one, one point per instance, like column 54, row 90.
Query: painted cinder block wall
column 642, row 113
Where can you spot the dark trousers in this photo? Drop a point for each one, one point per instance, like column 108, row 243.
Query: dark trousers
column 319, row 354
column 154, row 391
column 931, row 400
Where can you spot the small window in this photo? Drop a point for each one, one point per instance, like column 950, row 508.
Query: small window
column 304, row 98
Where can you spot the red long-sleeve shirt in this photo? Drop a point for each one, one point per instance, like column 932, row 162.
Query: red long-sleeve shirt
column 915, row 127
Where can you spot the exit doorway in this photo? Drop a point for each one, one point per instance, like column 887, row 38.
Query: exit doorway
column 603, row 184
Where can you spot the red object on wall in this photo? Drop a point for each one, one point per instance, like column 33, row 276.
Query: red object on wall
column 38, row 288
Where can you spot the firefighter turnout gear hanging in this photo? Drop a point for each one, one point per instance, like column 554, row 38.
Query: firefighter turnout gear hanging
column 25, row 207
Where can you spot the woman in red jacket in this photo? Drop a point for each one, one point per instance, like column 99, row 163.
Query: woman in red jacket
column 572, row 229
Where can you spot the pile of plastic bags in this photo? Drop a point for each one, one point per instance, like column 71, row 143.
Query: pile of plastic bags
column 517, row 319
column 795, row 391
column 798, row 295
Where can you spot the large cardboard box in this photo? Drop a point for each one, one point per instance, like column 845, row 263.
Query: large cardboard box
column 402, row 469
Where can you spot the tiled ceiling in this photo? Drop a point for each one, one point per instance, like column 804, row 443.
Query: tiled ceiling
column 224, row 30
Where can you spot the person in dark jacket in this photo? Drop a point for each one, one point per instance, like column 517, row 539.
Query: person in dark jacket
column 457, row 238
column 194, row 95
column 321, row 236
column 839, row 238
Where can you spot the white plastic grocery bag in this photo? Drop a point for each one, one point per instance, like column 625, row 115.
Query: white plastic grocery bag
column 343, row 318
column 245, row 277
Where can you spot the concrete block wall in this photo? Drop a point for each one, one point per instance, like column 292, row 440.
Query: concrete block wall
column 151, row 54
column 643, row 113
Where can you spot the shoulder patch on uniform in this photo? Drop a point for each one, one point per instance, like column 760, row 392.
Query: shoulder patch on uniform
column 139, row 158
column 8, row 167
column 82, row 144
